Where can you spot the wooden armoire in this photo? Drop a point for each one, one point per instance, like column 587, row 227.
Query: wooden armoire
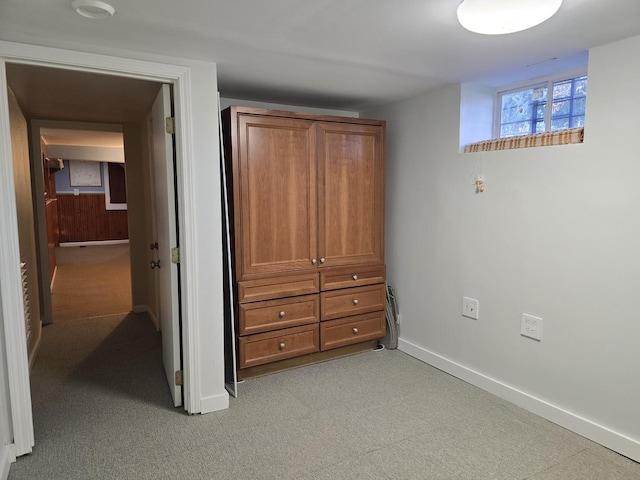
column 306, row 197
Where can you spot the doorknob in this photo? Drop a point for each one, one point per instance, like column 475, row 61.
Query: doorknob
column 153, row 264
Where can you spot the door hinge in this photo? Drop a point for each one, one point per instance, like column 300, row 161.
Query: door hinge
column 175, row 255
column 179, row 378
column 170, row 125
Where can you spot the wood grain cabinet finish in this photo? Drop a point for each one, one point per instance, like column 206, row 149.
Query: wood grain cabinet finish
column 350, row 330
column 277, row 287
column 350, row 194
column 275, row 314
column 306, row 197
column 353, row 276
column 278, row 345
column 352, row 301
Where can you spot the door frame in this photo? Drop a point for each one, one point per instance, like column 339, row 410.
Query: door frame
column 10, row 282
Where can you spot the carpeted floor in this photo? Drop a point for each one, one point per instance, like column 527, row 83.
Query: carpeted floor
column 102, row 410
column 91, row 281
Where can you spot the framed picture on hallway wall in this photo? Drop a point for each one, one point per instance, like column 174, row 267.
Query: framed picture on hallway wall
column 84, row 173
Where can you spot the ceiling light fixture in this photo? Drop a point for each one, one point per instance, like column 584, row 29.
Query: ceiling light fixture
column 498, row 17
column 93, row 9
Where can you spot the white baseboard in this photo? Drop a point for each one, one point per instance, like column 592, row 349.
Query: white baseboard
column 611, row 439
column 34, row 352
column 147, row 310
column 7, row 457
column 214, row 403
column 53, row 278
column 97, row 242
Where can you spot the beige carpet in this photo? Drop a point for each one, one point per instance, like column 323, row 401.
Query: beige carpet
column 91, row 281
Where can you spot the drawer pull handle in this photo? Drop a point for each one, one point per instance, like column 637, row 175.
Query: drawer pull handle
column 355, row 301
column 355, row 277
column 281, row 314
column 282, row 345
column 355, row 331
column 314, row 261
column 322, row 260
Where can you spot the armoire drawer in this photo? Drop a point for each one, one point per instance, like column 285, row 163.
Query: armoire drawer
column 278, row 345
column 353, row 276
column 350, row 330
column 277, row 287
column 352, row 301
column 269, row 315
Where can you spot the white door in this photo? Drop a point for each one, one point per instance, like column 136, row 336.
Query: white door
column 165, row 214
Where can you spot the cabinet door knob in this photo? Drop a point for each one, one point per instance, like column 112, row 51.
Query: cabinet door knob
column 282, row 345
column 281, row 314
column 355, row 277
column 322, row 260
column 355, row 331
column 355, row 301
column 314, row 261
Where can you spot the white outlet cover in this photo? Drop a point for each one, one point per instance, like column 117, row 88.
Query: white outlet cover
column 531, row 327
column 470, row 308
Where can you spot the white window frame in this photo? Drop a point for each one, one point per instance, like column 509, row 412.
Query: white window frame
column 532, row 83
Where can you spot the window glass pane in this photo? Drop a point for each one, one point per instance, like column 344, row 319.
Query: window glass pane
column 559, row 123
column 517, row 106
column 521, row 110
column 577, row 121
column 561, row 108
column 562, row 90
column 580, row 87
column 579, row 105
column 513, row 129
column 540, row 126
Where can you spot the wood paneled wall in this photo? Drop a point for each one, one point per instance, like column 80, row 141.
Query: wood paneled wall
column 84, row 218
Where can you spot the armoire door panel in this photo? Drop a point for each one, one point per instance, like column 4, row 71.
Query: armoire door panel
column 278, row 194
column 350, row 193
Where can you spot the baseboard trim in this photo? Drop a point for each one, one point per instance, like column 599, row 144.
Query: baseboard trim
column 53, row 278
column 7, row 457
column 96, row 242
column 34, row 351
column 214, row 403
column 611, row 439
column 147, row 310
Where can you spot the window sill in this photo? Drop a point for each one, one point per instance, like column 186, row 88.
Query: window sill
column 557, row 137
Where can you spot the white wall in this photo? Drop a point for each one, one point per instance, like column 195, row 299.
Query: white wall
column 555, row 234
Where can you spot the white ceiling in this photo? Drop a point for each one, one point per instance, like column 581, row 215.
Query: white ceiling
column 344, row 54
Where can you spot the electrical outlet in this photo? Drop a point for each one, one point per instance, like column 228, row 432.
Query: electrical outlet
column 531, row 327
column 470, row 307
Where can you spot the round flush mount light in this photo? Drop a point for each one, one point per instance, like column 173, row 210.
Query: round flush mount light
column 498, row 17
column 93, row 9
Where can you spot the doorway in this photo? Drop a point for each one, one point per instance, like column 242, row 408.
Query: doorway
column 20, row 411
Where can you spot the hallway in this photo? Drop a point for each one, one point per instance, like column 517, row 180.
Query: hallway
column 91, row 281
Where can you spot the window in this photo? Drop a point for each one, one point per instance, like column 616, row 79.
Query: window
column 524, row 111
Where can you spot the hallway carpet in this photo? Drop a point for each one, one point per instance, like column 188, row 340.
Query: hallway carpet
column 91, row 281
